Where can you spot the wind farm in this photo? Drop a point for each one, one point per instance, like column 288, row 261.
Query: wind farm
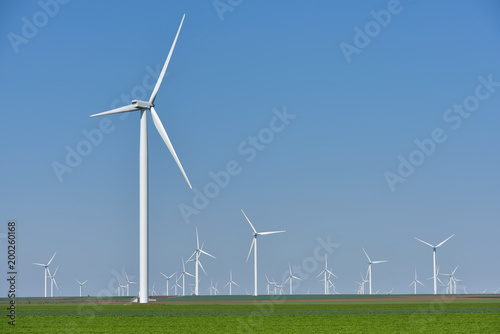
column 340, row 162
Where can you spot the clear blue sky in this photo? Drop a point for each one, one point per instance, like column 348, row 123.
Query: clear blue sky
column 323, row 175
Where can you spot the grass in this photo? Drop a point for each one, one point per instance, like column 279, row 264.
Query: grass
column 216, row 315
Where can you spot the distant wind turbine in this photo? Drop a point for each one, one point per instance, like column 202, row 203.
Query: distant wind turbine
column 196, row 258
column 143, row 107
column 370, row 262
column 128, row 283
column 291, row 277
column 46, row 271
column 325, row 272
column 254, row 246
column 183, row 275
column 230, row 282
column 434, row 259
column 415, row 282
column 168, row 278
column 53, row 281
column 81, row 284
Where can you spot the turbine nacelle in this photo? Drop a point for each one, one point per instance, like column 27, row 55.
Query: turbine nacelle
column 142, row 104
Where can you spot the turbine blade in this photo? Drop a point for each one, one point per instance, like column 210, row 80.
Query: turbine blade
column 250, row 251
column 380, row 261
column 445, row 240
column 201, row 266
column 428, row 244
column 78, row 281
column 85, row 282
column 202, row 251
column 272, row 232
column 128, row 108
column 164, row 69
column 253, row 228
column 52, row 258
column 163, row 275
column 197, row 239
column 39, row 264
column 366, row 255
column 163, row 134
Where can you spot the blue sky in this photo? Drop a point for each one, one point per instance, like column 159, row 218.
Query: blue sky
column 323, row 175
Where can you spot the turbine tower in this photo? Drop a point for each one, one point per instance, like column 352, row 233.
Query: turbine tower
column 254, row 246
column 434, row 259
column 80, row 283
column 143, row 107
column 370, row 262
column 46, row 271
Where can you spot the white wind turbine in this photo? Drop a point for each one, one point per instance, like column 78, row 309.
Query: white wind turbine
column 52, row 282
column 143, row 107
column 254, row 245
column 196, row 258
column 269, row 283
column 415, row 282
column 434, row 259
column 46, row 271
column 325, row 272
column 452, row 283
column 290, row 278
column 183, row 275
column 168, row 278
column 81, row 284
column 370, row 262
column 231, row 282
column 176, row 284
column 128, row 283
column 153, row 292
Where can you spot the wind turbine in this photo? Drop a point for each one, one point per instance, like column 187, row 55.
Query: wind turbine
column 290, row 278
column 324, row 272
column 176, row 284
column 269, row 283
column 46, row 266
column 452, row 283
column 254, row 245
column 230, row 282
column 143, row 107
column 128, row 283
column 53, row 281
column 183, row 275
column 80, row 283
column 121, row 288
column 168, row 278
column 370, row 262
column 197, row 252
column 434, row 259
column 153, row 292
column 415, row 281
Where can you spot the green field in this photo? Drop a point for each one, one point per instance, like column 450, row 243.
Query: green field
column 243, row 314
